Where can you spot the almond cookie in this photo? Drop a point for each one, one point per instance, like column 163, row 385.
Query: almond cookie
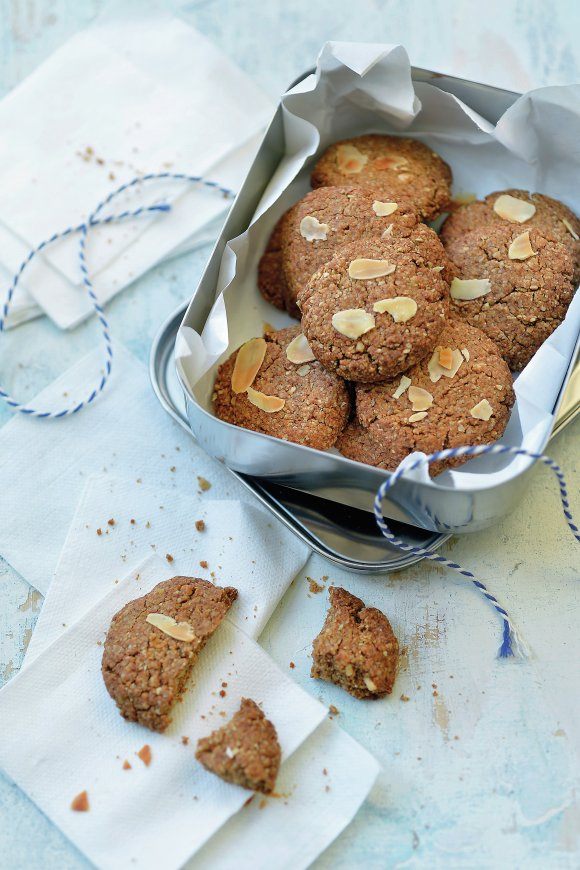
column 244, row 751
column 532, row 210
column 391, row 166
column 271, row 280
column 379, row 305
column 326, row 219
column 460, row 394
column 356, row 648
column 279, row 389
column 513, row 283
column 154, row 642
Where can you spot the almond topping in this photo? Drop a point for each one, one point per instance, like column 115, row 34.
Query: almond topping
column 446, row 357
column 350, row 160
column 384, row 209
column 269, row 404
column 470, row 288
column 248, row 361
column 388, row 232
column 353, row 322
column 401, row 308
column 414, row 418
column 515, row 210
column 437, row 371
column 403, row 384
column 466, row 354
column 80, row 803
column 363, row 269
column 166, row 624
column 482, row 411
column 370, row 685
column 303, row 370
column 419, row 398
column 389, row 161
column 299, row 351
column 437, row 268
column 311, row 229
column 570, row 229
column 521, row 247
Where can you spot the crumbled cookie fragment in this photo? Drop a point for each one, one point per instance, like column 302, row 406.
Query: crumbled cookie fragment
column 334, row 711
column 244, row 751
column 126, row 765
column 203, row 484
column 80, row 803
column 146, row 670
column 314, row 587
column 356, row 648
column 145, row 754
column 200, row 525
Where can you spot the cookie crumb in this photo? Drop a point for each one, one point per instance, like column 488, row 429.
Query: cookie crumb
column 404, row 698
column 126, row 765
column 145, row 754
column 203, row 484
column 203, row 564
column 132, row 522
column 292, row 665
column 99, row 532
column 200, row 525
column 169, row 557
column 80, row 803
column 185, row 741
column 314, row 587
column 111, row 522
column 334, row 711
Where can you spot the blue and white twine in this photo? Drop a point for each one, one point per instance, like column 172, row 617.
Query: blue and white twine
column 93, row 221
column 512, row 643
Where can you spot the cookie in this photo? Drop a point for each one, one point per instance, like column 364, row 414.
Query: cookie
column 519, row 301
column 271, row 281
column 460, row 394
column 391, row 166
column 548, row 214
column 356, row 648
column 154, row 642
column 244, row 751
column 282, row 391
column 326, row 219
column 368, row 329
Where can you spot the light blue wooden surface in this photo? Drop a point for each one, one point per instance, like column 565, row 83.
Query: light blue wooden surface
column 467, row 815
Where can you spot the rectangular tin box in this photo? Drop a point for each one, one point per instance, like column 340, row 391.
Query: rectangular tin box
column 438, row 509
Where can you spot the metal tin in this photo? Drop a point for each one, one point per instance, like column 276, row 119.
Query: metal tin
column 432, row 507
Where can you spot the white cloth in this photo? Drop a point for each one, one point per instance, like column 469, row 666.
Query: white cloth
column 243, row 546
column 62, row 734
column 44, row 464
column 149, row 94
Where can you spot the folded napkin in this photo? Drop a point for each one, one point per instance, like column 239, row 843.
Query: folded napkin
column 155, row 96
column 241, row 545
column 125, row 433
column 63, row 734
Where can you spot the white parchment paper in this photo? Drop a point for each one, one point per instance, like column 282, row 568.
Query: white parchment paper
column 360, row 88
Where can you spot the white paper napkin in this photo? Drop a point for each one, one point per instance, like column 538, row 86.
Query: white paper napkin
column 242, row 544
column 63, row 734
column 126, row 433
column 156, row 96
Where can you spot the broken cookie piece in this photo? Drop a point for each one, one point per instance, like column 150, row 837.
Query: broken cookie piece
column 148, row 654
column 245, row 751
column 356, row 648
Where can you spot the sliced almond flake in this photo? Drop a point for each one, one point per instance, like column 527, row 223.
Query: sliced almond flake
column 414, row 418
column 419, row 398
column 521, row 247
column 482, row 411
column 401, row 308
column 384, row 209
column 437, row 268
column 389, row 161
column 403, row 384
column 405, row 176
column 168, row 625
column 312, row 230
column 570, row 229
column 303, row 370
column 437, row 371
column 299, row 351
column 269, row 404
column 369, row 684
column 469, row 288
column 517, row 211
column 388, row 232
column 466, row 354
column 350, row 160
column 364, row 269
column 353, row 322
column 231, row 753
column 248, row 361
